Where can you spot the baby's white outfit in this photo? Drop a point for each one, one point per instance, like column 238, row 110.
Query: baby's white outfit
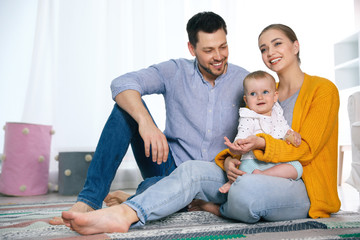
column 252, row 123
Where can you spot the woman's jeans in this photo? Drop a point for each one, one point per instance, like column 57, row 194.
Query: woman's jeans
column 119, row 132
column 251, row 197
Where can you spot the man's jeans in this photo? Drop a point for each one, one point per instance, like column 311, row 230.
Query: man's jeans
column 119, row 132
column 251, row 197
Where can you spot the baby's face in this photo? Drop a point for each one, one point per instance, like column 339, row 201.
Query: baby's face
column 260, row 95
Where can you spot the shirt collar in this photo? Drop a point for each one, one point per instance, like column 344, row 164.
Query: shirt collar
column 196, row 65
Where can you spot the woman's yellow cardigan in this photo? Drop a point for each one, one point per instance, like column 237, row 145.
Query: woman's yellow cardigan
column 315, row 117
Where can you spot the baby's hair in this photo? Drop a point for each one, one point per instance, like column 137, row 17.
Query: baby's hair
column 257, row 75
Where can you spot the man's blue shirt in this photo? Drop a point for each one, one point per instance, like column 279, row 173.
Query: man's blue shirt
column 198, row 115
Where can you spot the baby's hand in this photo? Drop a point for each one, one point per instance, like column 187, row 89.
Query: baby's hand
column 293, row 138
column 238, row 143
column 234, row 148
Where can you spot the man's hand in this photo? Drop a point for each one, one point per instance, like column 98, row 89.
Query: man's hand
column 156, row 140
column 231, row 166
column 130, row 101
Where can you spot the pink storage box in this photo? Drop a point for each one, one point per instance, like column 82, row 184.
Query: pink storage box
column 25, row 163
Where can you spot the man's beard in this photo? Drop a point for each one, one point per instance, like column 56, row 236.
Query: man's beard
column 208, row 70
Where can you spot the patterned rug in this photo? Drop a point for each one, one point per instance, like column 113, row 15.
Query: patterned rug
column 30, row 221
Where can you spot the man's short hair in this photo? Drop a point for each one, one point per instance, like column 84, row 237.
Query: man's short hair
column 208, row 22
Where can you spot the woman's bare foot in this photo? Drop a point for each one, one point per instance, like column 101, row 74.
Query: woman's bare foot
column 117, row 218
column 201, row 205
column 116, row 198
column 77, row 207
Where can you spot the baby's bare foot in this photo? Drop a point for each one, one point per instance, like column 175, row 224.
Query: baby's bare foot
column 116, row 198
column 257, row 171
column 225, row 188
column 107, row 220
column 77, row 207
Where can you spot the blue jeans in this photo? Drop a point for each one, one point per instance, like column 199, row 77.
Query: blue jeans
column 251, row 197
column 119, row 132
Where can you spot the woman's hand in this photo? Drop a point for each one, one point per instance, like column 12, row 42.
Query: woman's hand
column 231, row 166
column 235, row 148
column 242, row 146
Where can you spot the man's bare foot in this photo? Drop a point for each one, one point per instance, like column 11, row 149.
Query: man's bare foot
column 117, row 218
column 116, row 198
column 225, row 188
column 201, row 205
column 77, row 207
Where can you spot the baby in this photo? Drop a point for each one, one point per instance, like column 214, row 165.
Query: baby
column 263, row 115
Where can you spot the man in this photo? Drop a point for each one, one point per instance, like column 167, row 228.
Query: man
column 202, row 98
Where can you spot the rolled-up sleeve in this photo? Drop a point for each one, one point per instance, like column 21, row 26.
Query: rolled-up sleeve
column 151, row 80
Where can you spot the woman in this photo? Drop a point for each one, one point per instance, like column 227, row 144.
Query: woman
column 310, row 106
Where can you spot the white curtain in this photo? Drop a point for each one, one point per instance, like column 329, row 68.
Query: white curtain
column 79, row 46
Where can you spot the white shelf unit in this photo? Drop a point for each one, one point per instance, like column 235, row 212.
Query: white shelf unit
column 347, row 62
